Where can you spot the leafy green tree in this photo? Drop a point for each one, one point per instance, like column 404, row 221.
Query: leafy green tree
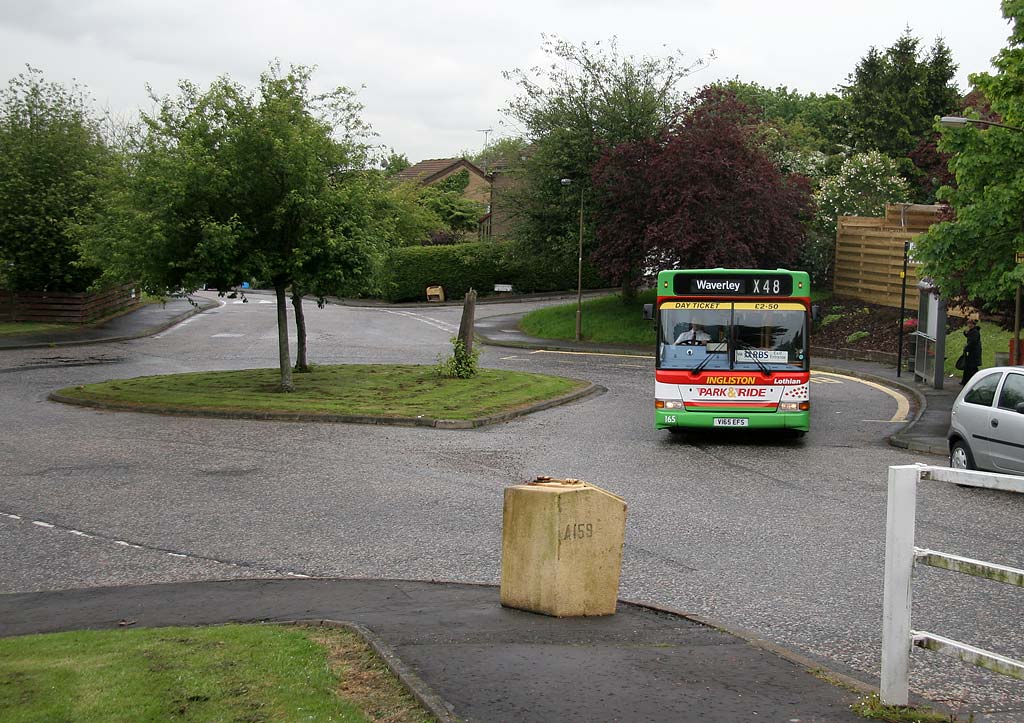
column 230, row 184
column 406, row 220
column 893, row 96
column 810, row 123
column 394, row 163
column 445, row 199
column 500, row 153
column 53, row 158
column 586, row 99
column 971, row 257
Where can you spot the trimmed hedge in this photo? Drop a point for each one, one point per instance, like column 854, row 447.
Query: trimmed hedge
column 457, row 268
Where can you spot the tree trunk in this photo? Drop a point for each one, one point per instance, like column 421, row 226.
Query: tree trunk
column 282, row 338
column 301, row 365
column 466, row 325
column 630, row 282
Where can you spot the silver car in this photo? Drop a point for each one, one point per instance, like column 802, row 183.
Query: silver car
column 986, row 428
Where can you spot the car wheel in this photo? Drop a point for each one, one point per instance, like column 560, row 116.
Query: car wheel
column 960, row 456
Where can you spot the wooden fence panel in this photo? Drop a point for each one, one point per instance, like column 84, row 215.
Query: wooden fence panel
column 66, row 307
column 6, row 306
column 869, row 254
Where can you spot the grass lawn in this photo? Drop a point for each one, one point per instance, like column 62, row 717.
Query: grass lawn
column 11, row 328
column 376, row 390
column 606, row 320
column 229, row 673
column 993, row 339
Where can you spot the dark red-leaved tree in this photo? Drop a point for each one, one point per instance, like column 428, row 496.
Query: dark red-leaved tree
column 703, row 195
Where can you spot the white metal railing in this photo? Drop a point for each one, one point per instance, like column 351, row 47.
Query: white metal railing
column 900, row 556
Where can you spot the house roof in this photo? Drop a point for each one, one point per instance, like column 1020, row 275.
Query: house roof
column 431, row 170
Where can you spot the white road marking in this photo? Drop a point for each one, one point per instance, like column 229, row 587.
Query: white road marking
column 226, row 335
column 436, row 323
column 133, row 546
column 902, row 403
column 177, row 326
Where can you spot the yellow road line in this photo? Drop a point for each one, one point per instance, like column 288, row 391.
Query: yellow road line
column 902, row 403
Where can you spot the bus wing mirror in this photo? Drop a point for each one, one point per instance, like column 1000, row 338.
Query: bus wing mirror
column 648, row 312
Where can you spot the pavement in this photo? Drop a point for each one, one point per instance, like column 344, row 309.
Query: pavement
column 462, row 654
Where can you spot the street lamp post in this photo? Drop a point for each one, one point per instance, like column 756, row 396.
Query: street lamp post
column 579, row 266
column 952, row 121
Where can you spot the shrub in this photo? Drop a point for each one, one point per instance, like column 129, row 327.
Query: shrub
column 857, row 336
column 830, row 319
column 460, row 267
column 461, row 364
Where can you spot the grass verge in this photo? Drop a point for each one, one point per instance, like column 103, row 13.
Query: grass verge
column 993, row 339
column 400, row 391
column 608, row 320
column 16, row 328
column 231, row 673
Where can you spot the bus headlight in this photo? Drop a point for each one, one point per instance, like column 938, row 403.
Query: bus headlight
column 668, row 404
column 794, row 406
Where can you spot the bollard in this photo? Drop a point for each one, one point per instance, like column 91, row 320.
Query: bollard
column 561, row 548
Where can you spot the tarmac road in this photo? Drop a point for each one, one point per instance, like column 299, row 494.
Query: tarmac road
column 781, row 537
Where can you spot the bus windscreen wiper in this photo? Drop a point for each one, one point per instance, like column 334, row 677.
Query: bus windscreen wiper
column 761, row 365
column 703, row 363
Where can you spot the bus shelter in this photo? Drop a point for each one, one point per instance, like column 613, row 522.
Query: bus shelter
column 930, row 337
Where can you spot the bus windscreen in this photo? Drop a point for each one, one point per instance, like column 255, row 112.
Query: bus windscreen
column 719, row 335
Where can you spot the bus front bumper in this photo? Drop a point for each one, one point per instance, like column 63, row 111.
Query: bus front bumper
column 673, row 418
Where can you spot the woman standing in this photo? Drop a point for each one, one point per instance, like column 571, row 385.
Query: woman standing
column 972, row 350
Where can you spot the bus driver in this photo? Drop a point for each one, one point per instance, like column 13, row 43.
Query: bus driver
column 695, row 335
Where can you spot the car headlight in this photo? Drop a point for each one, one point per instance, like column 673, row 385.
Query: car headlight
column 668, row 404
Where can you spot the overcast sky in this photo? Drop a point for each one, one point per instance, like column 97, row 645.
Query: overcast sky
column 431, row 72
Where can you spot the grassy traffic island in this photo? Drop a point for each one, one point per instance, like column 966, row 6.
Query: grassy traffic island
column 231, row 673
column 377, row 394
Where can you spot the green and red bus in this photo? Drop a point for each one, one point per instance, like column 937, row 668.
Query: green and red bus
column 732, row 349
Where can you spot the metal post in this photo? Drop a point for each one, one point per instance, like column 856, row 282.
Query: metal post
column 1016, row 331
column 579, row 274
column 903, row 304
column 896, row 596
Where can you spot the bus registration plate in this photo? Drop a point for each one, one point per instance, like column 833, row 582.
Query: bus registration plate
column 731, row 422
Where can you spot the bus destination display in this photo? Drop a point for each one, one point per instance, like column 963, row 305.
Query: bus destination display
column 759, row 285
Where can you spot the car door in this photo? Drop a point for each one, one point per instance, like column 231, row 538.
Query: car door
column 1006, row 426
column 972, row 416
